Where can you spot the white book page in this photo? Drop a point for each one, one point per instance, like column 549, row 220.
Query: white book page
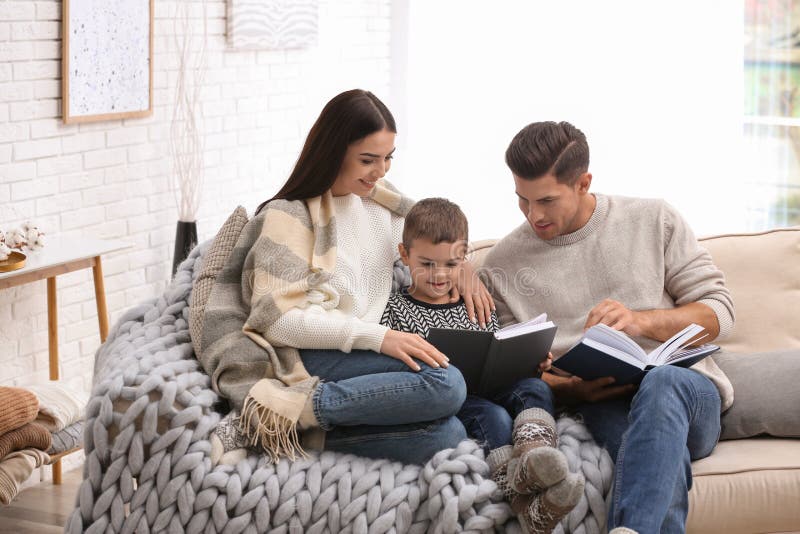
column 685, row 354
column 614, row 351
column 614, row 338
column 537, row 323
column 661, row 353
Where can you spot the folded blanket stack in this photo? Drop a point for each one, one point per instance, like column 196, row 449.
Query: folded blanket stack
column 59, row 405
column 67, row 439
column 17, row 407
column 31, row 435
column 22, row 441
column 16, row 468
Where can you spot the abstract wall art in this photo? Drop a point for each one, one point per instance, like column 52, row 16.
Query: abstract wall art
column 272, row 24
column 107, row 66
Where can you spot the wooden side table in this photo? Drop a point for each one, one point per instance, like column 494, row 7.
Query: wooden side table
column 61, row 256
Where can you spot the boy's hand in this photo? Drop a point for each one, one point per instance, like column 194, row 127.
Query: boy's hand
column 547, row 363
column 407, row 347
column 476, row 297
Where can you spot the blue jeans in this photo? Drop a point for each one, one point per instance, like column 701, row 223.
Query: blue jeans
column 374, row 405
column 490, row 421
column 673, row 419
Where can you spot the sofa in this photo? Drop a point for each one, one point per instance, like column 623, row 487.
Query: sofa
column 152, row 409
column 752, row 484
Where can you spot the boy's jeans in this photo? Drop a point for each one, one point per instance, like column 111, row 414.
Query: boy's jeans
column 490, row 421
column 673, row 419
column 374, row 405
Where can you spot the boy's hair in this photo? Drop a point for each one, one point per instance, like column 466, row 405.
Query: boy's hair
column 435, row 219
column 549, row 148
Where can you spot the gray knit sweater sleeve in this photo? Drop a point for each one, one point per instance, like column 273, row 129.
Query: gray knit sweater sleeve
column 690, row 273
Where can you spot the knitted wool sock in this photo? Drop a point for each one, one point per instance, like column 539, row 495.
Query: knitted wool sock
column 498, row 469
column 228, row 444
column 536, row 463
column 541, row 512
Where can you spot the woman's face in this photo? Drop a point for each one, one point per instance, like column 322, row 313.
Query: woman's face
column 364, row 163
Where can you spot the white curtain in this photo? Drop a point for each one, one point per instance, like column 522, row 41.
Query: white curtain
column 656, row 87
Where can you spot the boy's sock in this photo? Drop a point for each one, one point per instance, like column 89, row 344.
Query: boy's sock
column 541, row 512
column 498, row 469
column 536, row 463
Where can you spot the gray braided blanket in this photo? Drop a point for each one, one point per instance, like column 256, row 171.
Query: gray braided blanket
column 148, row 465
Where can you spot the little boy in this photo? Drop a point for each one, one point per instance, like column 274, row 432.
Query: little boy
column 516, row 427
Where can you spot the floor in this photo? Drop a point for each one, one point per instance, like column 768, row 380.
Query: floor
column 41, row 509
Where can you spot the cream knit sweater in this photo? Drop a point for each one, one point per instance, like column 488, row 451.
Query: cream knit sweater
column 366, row 248
column 639, row 252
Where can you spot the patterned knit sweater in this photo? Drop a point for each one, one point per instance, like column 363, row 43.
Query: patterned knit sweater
column 404, row 313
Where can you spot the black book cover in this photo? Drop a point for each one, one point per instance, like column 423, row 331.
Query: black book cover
column 491, row 365
column 590, row 363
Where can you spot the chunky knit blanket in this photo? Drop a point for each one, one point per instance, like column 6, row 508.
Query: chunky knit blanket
column 148, row 465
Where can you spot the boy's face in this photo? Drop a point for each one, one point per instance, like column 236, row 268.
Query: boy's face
column 434, row 268
column 552, row 208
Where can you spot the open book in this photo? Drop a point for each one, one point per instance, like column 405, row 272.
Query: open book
column 492, row 362
column 603, row 351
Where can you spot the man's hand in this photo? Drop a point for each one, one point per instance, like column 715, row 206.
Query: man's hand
column 406, row 347
column 477, row 299
column 573, row 390
column 617, row 316
column 599, row 389
column 547, row 363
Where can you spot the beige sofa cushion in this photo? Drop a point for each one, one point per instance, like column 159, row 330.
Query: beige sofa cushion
column 747, row 486
column 762, row 271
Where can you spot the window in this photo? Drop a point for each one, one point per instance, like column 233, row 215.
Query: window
column 657, row 88
column 772, row 111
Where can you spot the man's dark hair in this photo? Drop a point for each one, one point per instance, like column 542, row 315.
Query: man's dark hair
column 542, row 148
column 435, row 219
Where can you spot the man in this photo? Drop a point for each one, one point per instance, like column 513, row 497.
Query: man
column 634, row 265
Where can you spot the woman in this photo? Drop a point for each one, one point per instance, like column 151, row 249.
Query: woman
column 381, row 393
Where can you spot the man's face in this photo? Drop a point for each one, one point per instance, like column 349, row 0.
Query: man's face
column 552, row 208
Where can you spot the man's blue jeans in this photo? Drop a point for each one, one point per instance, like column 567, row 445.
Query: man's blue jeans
column 673, row 419
column 374, row 405
column 490, row 421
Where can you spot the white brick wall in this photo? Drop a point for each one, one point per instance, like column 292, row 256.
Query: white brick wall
column 112, row 179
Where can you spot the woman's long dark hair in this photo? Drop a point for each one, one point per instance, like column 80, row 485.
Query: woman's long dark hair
column 347, row 118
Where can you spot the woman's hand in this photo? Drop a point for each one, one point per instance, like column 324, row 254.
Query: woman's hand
column 476, row 297
column 407, row 347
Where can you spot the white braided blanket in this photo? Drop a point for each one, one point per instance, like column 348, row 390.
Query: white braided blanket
column 148, row 466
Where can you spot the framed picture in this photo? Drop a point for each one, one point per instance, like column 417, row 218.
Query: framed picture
column 272, row 24
column 107, row 65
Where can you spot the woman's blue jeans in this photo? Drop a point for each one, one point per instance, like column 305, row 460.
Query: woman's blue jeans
column 673, row 419
column 374, row 405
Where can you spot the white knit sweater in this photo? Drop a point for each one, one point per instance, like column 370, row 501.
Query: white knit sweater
column 367, row 235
